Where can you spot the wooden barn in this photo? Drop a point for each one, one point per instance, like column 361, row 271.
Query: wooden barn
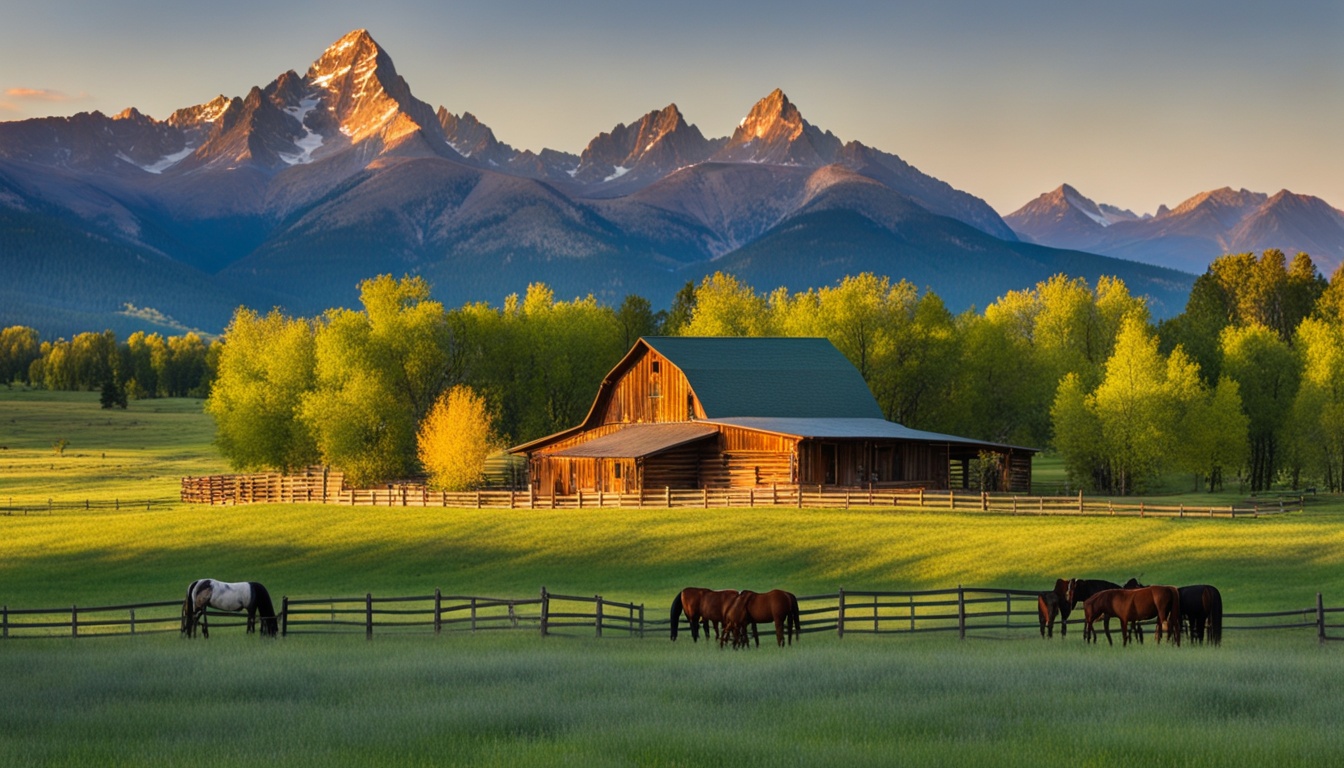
column 685, row 412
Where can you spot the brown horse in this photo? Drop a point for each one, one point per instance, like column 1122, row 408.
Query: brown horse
column 688, row 601
column 703, row 607
column 1134, row 605
column 1054, row 603
column 750, row 607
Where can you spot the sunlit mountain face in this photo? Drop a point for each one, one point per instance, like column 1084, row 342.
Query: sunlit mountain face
column 292, row 193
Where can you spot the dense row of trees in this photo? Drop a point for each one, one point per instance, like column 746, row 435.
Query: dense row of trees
column 145, row 365
column 1246, row 385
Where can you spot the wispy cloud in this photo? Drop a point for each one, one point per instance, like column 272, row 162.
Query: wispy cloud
column 41, row 94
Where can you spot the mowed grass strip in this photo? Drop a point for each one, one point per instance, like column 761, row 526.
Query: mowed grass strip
column 524, row 701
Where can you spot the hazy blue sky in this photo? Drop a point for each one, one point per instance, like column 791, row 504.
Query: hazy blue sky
column 1135, row 103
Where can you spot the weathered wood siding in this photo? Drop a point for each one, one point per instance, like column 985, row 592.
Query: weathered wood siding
column 652, row 390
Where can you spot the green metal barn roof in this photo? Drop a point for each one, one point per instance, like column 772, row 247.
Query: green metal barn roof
column 781, row 377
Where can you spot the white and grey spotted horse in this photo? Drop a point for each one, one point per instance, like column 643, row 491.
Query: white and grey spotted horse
column 233, row 596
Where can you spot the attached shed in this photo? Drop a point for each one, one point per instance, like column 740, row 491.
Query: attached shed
column 684, row 412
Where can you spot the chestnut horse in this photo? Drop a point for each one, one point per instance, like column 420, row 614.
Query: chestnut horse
column 750, row 607
column 703, row 607
column 1134, row 605
column 1051, row 604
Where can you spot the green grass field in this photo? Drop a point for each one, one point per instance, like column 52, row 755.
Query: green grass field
column 517, row 699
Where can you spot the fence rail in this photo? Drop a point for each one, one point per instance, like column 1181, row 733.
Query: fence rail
column 965, row 611
column 325, row 487
column 52, row 506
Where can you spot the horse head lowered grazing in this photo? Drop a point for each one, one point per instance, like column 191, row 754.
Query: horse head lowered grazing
column 749, row 607
column 703, row 608
column 249, row 596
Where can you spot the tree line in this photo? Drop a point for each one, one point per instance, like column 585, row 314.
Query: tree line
column 143, row 366
column 1245, row 386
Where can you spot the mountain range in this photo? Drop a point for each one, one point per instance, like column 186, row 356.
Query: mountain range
column 1193, row 233
column 290, row 195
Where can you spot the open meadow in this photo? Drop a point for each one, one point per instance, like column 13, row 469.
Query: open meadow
column 514, row 698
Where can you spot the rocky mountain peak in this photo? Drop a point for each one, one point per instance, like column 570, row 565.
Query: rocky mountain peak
column 775, row 132
column 658, row 143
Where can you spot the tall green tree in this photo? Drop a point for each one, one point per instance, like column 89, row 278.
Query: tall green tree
column 20, row 346
column 1317, row 422
column 1267, row 372
column 378, row 372
column 724, row 306
column 266, row 366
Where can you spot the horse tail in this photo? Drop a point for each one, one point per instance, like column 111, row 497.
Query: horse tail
column 676, row 615
column 187, row 612
column 795, row 622
column 1175, row 620
column 261, row 602
column 1213, row 600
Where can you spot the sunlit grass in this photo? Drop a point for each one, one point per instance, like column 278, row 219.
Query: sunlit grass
column 110, row 454
column 515, row 699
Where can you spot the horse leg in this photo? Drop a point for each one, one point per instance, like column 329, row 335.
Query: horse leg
column 779, row 631
column 1106, row 625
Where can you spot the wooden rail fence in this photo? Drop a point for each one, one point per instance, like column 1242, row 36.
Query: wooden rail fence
column 322, row 487
column 965, row 611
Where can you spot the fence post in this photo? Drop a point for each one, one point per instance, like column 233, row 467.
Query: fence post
column 473, row 614
column 641, row 621
column 74, row 621
column 961, row 613
column 545, row 610
column 1080, row 502
column 368, row 615
column 132, row 621
column 840, row 616
column 4, row 621
column 1007, row 610
column 597, row 599
column 667, row 496
column 1320, row 619
column 284, row 605
column 438, row 611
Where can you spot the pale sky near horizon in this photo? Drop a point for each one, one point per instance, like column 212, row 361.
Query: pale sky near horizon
column 1136, row 104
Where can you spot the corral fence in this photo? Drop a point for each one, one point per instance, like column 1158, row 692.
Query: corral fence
column 51, row 506
column 328, row 487
column 967, row 612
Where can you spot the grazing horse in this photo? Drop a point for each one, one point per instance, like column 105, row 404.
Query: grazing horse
column 703, row 608
column 750, row 607
column 1054, row 603
column 1202, row 607
column 247, row 596
column 1134, row 605
column 688, row 601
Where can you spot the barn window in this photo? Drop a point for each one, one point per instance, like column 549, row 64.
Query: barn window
column 690, row 407
column 616, row 471
column 654, row 366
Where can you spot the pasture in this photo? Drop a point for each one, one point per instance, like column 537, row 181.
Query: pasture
column 515, row 699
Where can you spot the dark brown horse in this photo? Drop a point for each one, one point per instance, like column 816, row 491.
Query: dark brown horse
column 688, row 601
column 1134, row 605
column 703, row 608
column 1054, row 603
column 750, row 607
column 1202, row 608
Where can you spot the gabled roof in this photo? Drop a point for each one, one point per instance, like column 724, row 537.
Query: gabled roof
column 779, row 377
